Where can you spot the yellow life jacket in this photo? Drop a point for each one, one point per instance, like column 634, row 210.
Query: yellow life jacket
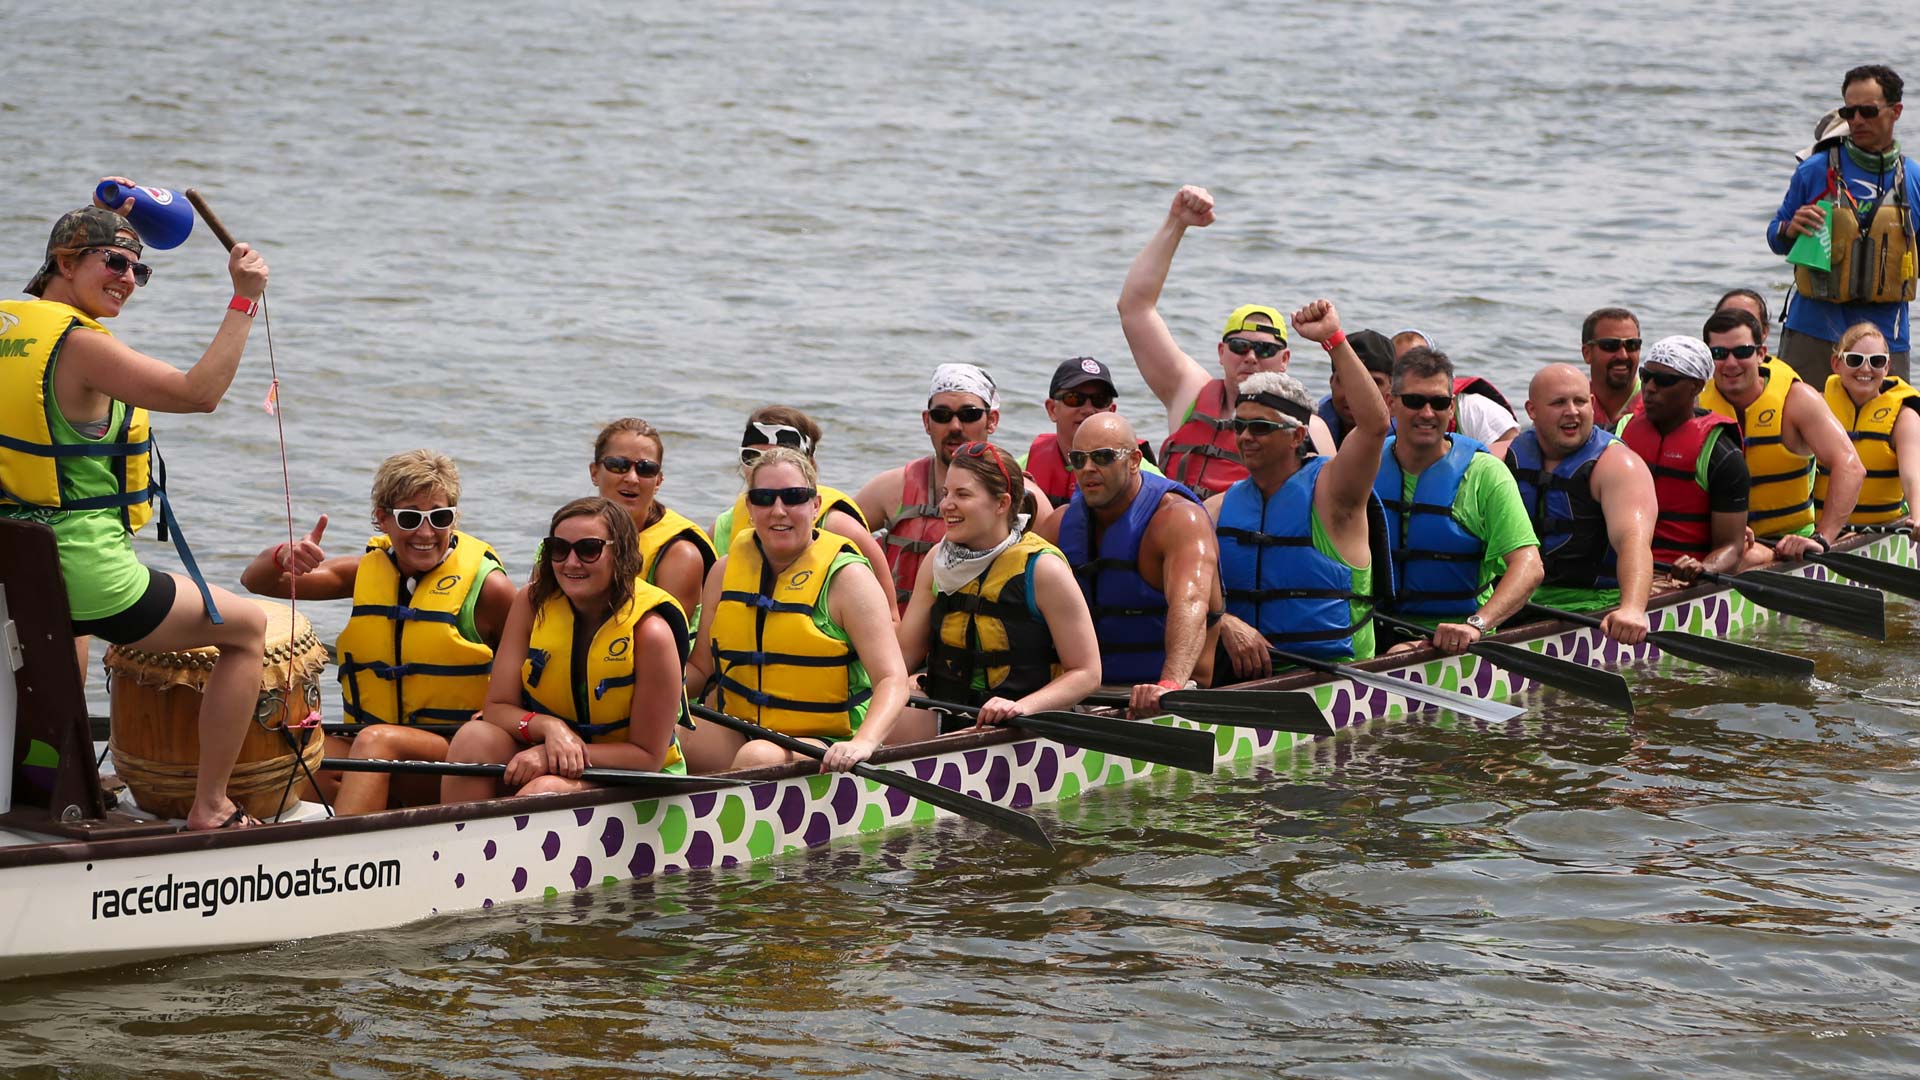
column 408, row 663
column 31, row 333
column 1872, row 265
column 1870, row 426
column 774, row 666
column 734, row 522
column 990, row 631
column 597, row 703
column 662, row 534
column 1781, row 501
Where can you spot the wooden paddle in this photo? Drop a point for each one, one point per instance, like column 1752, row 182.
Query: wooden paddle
column 463, row 768
column 1181, row 748
column 1012, row 822
column 1493, row 712
column 1899, row 580
column 1705, row 651
column 1855, row 610
column 1605, row 687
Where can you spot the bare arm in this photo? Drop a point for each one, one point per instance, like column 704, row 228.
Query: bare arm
column 303, row 570
column 496, row 605
column 1624, row 486
column 1070, row 623
column 1729, row 541
column 1524, row 573
column 700, row 664
column 1043, row 507
column 1906, row 449
column 857, row 603
column 1347, row 480
column 503, row 709
column 878, row 498
column 679, row 572
column 1190, row 570
column 1822, row 435
column 1173, row 376
column 915, row 630
column 842, row 523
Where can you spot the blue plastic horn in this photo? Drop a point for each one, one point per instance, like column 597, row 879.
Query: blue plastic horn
column 161, row 217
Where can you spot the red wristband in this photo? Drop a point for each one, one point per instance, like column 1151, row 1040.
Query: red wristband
column 526, row 730
column 1338, row 339
column 1169, row 684
column 278, row 561
column 244, row 306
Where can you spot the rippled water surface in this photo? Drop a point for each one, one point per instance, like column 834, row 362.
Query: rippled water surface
column 493, row 227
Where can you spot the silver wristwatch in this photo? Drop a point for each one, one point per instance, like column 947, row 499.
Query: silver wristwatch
column 1474, row 620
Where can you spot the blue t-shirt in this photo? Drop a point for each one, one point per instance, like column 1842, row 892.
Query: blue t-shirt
column 1824, row 319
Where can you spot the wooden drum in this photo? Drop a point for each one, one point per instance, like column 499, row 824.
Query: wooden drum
column 156, row 720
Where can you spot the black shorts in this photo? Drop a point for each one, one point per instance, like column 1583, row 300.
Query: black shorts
column 142, row 617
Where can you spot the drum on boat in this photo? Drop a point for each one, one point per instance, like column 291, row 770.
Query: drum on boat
column 156, row 709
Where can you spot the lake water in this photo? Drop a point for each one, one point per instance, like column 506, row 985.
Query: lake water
column 492, row 228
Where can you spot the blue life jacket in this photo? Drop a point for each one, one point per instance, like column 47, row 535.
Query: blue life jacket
column 1129, row 615
column 1567, row 518
column 1331, row 415
column 1276, row 581
column 1436, row 561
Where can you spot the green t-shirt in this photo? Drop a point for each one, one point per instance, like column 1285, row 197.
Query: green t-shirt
column 857, row 678
column 1489, row 506
column 1363, row 641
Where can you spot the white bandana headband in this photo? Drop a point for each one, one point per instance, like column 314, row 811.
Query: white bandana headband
column 1685, row 355
column 964, row 379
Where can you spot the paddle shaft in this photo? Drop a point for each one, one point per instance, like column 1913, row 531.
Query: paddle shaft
column 1845, row 607
column 1605, row 687
column 1728, row 656
column 1490, row 711
column 1900, row 580
column 467, row 768
column 1180, row 748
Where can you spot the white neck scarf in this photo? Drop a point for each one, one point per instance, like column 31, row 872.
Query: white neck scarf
column 955, row 567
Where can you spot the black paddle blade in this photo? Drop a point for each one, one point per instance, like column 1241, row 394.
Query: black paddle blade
column 1605, row 687
column 1008, row 821
column 1731, row 656
column 1899, row 580
column 1181, row 748
column 1261, row 710
column 1855, row 610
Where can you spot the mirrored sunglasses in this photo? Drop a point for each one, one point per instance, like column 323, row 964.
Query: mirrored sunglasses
column 620, row 466
column 118, row 262
column 1263, row 350
column 1104, row 457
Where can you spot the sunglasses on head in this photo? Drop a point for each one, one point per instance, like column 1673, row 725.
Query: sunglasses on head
column 988, row 450
column 1738, row 352
column 117, row 263
column 968, row 414
column 1864, row 112
column 620, row 466
column 1261, row 428
column 1103, row 457
column 1871, row 359
column 1616, row 344
column 1416, row 402
column 793, row 496
column 1264, row 350
column 440, row 517
column 1665, row 380
column 1073, row 399
column 589, row 549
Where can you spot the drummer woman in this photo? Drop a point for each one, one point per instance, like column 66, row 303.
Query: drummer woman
column 588, row 670
column 792, row 641
column 73, row 412
column 628, row 469
column 1882, row 416
column 996, row 612
column 424, row 594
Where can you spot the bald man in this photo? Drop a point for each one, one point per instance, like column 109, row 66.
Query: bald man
column 1143, row 550
column 1592, row 504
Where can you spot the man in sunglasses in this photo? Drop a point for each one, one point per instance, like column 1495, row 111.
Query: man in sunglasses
column 1874, row 194
column 1592, row 503
column 1480, row 410
column 1200, row 447
column 1454, row 514
column 1081, row 387
column 963, row 406
column 1784, row 428
column 1610, row 346
column 1700, row 479
column 1376, row 359
column 1297, row 536
column 1143, row 550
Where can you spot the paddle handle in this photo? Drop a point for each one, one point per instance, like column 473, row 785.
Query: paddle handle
column 953, row 707
column 783, row 741
column 1574, row 617
column 212, row 219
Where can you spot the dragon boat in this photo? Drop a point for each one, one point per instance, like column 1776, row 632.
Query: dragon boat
column 84, row 886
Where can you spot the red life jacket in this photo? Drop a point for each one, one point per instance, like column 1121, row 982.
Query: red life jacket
column 1474, row 384
column 1685, row 526
column 1048, row 467
column 913, row 529
column 1202, row 453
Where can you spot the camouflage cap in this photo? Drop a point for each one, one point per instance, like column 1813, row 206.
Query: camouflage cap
column 79, row 230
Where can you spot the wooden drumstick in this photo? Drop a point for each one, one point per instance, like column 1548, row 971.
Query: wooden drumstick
column 213, row 222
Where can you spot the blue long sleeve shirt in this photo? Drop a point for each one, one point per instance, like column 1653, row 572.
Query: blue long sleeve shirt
column 1821, row 318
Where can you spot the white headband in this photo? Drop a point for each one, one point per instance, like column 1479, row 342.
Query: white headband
column 1685, row 355
column 964, row 379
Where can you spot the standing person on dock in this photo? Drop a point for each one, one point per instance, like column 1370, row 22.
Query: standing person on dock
column 1699, row 471
column 1336, row 409
column 1610, row 347
column 1199, row 451
column 1874, row 192
column 1592, row 503
column 1454, row 514
column 429, row 605
column 800, row 637
column 75, row 454
column 1881, row 414
column 1080, row 387
column 1784, row 428
column 628, row 467
column 996, row 613
column 1480, row 410
column 1143, row 550
column 588, row 669
column 963, row 406
column 1297, row 536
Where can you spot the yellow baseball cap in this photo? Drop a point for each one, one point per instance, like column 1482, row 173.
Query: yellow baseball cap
column 1240, row 321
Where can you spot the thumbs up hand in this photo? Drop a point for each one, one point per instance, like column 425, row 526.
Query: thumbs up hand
column 305, row 553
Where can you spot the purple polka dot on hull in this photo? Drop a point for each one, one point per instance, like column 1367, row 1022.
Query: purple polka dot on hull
column 700, row 849
column 1022, row 796
column 520, row 822
column 727, row 862
column 459, row 826
column 436, row 856
column 459, row 881
column 612, row 835
column 819, row 830
column 550, row 847
column 1046, row 768
column 845, row 800
column 897, row 801
column 487, row 903
column 793, row 808
column 490, row 850
column 702, row 803
column 641, row 865
column 999, row 776
column 975, row 760
column 1024, row 752
column 763, row 795
column 582, row 872
column 519, row 879
column 582, row 815
column 950, row 776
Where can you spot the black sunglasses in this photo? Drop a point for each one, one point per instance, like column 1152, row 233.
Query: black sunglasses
column 1416, row 402
column 118, row 261
column 1073, row 399
column 1103, row 457
column 1261, row 428
column 620, row 466
column 1615, row 344
column 440, row 517
column 968, row 414
column 1864, row 112
column 1738, row 352
column 1665, row 380
column 793, row 496
column 1875, row 359
column 589, row 549
column 1263, row 350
